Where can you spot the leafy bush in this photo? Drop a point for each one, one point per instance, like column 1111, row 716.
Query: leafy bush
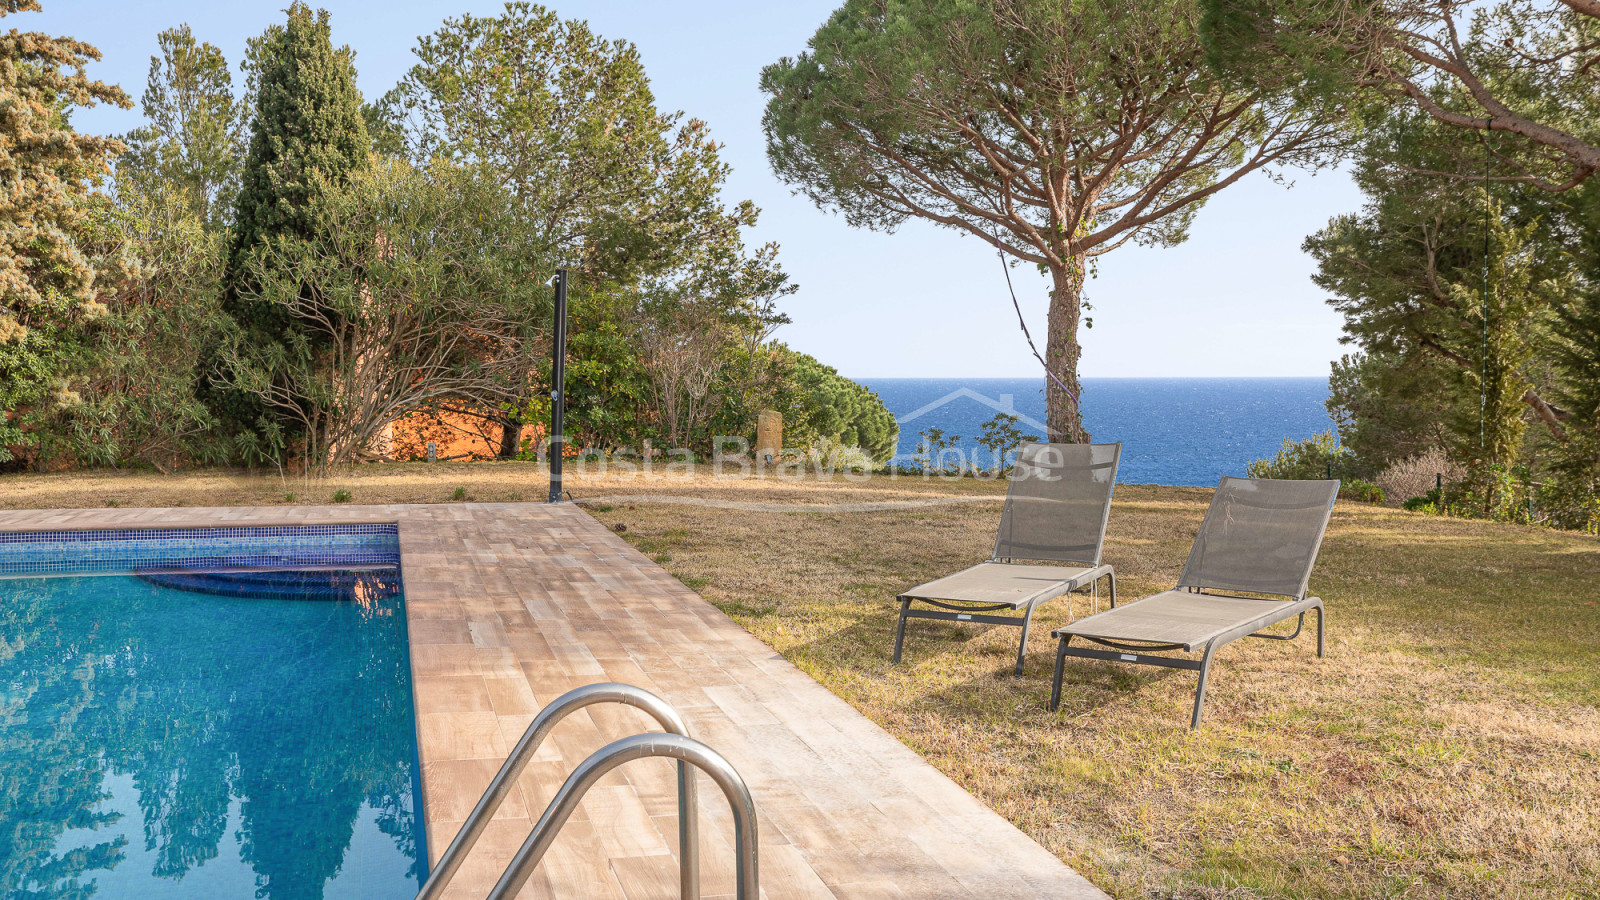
column 411, row 295
column 1308, row 460
column 1425, row 503
column 1361, row 492
column 1570, row 504
column 827, row 405
column 832, row 456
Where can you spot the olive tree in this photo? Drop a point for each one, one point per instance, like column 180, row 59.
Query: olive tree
column 1056, row 132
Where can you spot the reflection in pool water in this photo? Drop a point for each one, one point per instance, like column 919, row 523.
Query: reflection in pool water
column 167, row 742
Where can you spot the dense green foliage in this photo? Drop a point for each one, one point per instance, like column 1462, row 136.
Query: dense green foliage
column 277, row 278
column 136, row 377
column 1468, row 281
column 1319, row 456
column 827, row 407
column 1412, row 279
column 385, row 328
column 193, row 139
column 1469, row 304
column 46, row 172
column 1521, row 73
column 307, row 134
column 671, row 301
column 1389, row 405
column 568, row 124
column 1055, row 132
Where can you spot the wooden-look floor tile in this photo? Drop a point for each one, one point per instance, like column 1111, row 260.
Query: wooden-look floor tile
column 461, row 735
column 450, row 694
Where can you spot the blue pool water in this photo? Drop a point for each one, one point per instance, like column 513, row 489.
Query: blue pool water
column 204, row 733
column 1183, row 431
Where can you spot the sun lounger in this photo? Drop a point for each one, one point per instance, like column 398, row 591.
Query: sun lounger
column 1056, row 509
column 1259, row 539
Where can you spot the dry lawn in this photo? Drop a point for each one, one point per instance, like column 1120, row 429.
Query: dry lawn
column 1448, row 746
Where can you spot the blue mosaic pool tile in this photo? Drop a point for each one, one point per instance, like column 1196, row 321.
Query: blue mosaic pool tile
column 130, row 550
column 183, row 534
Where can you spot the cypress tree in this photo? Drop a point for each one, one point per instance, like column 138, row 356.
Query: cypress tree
column 307, row 135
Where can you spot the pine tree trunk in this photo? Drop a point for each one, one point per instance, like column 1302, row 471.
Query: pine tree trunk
column 1062, row 351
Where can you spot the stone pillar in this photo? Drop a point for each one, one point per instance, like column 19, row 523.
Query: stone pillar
column 769, row 436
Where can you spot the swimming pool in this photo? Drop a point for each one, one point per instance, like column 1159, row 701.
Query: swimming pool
column 215, row 713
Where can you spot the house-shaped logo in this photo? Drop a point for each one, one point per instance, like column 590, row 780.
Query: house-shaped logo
column 1004, row 404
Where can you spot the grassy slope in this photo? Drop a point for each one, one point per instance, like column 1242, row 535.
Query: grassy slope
column 1448, row 746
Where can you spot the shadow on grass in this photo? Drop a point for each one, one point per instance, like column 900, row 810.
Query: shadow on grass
column 953, row 668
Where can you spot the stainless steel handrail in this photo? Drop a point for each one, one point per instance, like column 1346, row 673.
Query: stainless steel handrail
column 640, row 746
column 558, row 709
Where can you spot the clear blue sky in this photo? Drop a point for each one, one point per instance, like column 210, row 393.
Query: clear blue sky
column 1234, row 300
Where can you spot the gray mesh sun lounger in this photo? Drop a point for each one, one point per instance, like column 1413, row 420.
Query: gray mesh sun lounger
column 1259, row 537
column 1055, row 511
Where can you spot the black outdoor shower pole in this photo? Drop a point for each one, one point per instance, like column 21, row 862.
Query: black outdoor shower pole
column 558, row 387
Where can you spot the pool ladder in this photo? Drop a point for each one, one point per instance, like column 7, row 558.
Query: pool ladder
column 676, row 743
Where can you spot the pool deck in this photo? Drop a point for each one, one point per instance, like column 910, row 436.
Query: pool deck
column 510, row 605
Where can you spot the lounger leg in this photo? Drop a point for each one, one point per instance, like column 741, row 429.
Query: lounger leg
column 900, row 629
column 1200, row 692
column 1061, row 664
column 1022, row 648
column 1321, row 615
column 1112, row 577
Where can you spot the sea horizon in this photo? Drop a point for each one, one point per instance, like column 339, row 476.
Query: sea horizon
column 1181, row 431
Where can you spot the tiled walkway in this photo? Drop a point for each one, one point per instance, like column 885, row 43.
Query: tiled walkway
column 510, row 605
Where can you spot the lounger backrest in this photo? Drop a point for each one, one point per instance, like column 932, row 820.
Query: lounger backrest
column 1260, row 536
column 1057, row 505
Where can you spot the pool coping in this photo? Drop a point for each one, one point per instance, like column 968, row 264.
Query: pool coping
column 510, row 604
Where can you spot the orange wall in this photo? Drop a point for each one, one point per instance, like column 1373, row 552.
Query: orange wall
column 458, row 435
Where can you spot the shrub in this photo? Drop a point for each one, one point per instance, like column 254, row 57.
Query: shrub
column 341, row 496
column 1361, row 492
column 1427, row 503
column 1307, row 460
column 827, row 405
column 1570, row 504
column 830, row 455
column 1416, row 476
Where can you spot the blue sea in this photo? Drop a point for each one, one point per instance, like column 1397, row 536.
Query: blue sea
column 1177, row 431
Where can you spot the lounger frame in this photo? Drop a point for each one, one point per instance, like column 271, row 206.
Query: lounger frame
column 964, row 611
column 1281, row 599
column 1139, row 653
